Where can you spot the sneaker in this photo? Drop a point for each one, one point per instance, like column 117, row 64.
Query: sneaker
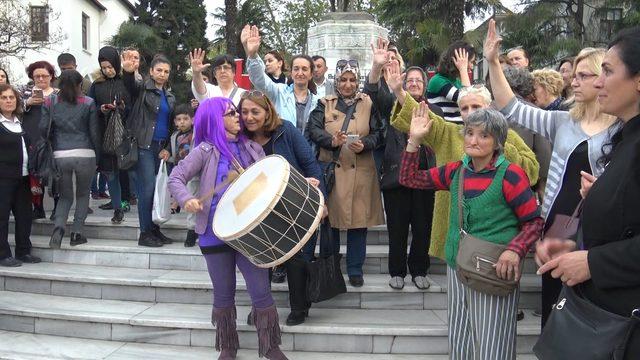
column 124, row 205
column 77, row 239
column 106, row 206
column 356, row 280
column 160, row 236
column 396, row 282
column 118, row 216
column 56, row 238
column 520, row 315
column 104, row 195
column 38, row 213
column 421, row 282
column 10, row 262
column 147, row 239
column 95, row 196
column 279, row 275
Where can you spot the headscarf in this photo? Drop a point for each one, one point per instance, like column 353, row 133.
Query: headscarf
column 342, row 67
column 110, row 54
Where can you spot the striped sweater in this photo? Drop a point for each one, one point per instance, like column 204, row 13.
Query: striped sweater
column 443, row 91
column 565, row 134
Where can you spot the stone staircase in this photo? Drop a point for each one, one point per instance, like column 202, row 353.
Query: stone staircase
column 112, row 299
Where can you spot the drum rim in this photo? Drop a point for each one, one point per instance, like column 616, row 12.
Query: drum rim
column 265, row 213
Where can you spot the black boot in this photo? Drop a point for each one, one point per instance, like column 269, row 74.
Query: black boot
column 56, row 238
column 38, row 213
column 160, row 236
column 279, row 274
column 77, row 239
column 191, row 238
column 297, row 317
column 118, row 216
column 147, row 239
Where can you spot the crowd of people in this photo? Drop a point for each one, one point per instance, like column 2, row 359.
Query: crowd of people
column 503, row 160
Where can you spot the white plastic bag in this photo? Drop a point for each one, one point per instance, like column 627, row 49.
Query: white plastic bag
column 161, row 197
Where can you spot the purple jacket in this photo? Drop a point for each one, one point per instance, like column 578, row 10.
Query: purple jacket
column 202, row 161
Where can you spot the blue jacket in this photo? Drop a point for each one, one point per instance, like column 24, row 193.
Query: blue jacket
column 289, row 143
column 281, row 94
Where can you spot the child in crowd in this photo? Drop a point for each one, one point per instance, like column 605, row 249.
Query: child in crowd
column 177, row 149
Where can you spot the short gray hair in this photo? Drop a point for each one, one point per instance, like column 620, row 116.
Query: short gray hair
column 520, row 80
column 491, row 121
column 479, row 90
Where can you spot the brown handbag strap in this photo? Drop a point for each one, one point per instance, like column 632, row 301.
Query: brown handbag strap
column 460, row 196
column 578, row 210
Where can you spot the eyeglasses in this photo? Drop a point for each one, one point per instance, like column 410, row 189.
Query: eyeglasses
column 41, row 76
column 415, row 81
column 225, row 67
column 232, row 113
column 580, row 77
column 252, row 93
column 352, row 63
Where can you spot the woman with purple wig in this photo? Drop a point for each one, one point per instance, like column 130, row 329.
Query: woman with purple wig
column 218, row 144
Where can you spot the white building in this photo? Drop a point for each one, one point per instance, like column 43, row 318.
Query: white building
column 86, row 26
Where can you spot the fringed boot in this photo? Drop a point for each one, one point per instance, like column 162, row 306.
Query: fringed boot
column 226, row 334
column 266, row 321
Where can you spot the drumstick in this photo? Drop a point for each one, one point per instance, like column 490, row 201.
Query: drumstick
column 231, row 177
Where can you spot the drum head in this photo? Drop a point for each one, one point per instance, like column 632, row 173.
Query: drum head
column 248, row 200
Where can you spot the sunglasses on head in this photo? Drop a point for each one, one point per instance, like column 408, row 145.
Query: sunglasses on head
column 252, row 93
column 352, row 63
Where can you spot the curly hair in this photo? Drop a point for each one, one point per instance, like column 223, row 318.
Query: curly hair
column 550, row 80
column 41, row 65
column 520, row 80
column 16, row 93
column 446, row 66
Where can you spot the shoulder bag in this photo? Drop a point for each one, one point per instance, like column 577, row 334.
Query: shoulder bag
column 127, row 151
column 43, row 164
column 476, row 258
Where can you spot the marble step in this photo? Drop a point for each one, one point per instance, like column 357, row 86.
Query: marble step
column 194, row 287
column 26, row 346
column 336, row 330
column 98, row 225
column 108, row 252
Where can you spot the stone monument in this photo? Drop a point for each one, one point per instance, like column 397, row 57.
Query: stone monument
column 345, row 35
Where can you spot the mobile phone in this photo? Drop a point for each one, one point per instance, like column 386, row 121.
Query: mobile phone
column 38, row 93
column 351, row 138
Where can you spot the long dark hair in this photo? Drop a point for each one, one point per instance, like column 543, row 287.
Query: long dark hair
column 276, row 54
column 446, row 66
column 311, row 85
column 6, row 75
column 70, row 81
column 626, row 42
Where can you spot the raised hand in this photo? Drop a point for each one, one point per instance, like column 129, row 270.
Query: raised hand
column 461, row 59
column 491, row 48
column 251, row 40
column 196, row 58
column 394, row 77
column 420, row 123
column 380, row 53
column 128, row 62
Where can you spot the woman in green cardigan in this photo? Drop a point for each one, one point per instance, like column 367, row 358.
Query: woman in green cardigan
column 499, row 207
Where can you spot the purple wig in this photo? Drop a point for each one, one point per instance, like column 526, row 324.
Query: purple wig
column 208, row 124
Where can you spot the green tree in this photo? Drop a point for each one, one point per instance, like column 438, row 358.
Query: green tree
column 140, row 36
column 298, row 17
column 181, row 24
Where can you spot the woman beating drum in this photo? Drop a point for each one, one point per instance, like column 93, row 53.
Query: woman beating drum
column 220, row 151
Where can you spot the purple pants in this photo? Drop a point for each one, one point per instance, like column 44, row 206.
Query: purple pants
column 222, row 271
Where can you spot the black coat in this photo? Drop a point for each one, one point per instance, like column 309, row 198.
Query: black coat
column 611, row 232
column 395, row 141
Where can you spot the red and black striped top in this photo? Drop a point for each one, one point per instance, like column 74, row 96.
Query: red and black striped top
column 515, row 187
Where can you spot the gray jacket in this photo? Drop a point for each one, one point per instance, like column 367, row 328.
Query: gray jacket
column 143, row 116
column 72, row 126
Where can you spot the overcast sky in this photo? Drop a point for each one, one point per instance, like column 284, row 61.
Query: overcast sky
column 213, row 4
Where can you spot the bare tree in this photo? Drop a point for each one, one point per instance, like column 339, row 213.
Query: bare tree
column 19, row 34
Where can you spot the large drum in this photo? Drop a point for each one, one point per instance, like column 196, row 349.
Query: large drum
column 269, row 212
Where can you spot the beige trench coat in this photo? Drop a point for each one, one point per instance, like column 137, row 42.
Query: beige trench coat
column 355, row 201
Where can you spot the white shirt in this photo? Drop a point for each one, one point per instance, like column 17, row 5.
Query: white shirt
column 324, row 89
column 15, row 126
column 216, row 91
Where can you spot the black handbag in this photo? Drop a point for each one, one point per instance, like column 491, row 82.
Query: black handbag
column 113, row 133
column 329, row 169
column 325, row 280
column 42, row 163
column 127, row 152
column 579, row 329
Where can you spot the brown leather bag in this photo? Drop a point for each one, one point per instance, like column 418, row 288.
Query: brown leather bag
column 476, row 258
column 565, row 226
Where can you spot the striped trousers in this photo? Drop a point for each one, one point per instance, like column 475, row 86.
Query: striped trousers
column 481, row 326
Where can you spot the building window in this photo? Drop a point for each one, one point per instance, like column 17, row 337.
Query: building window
column 39, row 23
column 85, row 31
column 608, row 21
